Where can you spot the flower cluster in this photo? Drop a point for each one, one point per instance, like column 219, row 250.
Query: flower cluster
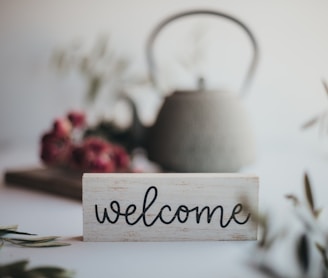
column 61, row 148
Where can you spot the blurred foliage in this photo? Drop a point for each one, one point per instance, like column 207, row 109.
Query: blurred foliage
column 309, row 240
column 320, row 120
column 100, row 67
column 11, row 235
column 19, row 269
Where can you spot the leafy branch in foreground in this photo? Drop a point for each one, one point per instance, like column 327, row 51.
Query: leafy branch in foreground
column 9, row 234
column 295, row 247
column 321, row 119
column 19, row 269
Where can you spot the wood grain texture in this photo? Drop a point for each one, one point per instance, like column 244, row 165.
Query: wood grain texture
column 171, row 198
column 61, row 183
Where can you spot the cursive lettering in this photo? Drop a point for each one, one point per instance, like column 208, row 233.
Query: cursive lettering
column 181, row 215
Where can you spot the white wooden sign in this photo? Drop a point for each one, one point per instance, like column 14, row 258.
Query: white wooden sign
column 169, row 207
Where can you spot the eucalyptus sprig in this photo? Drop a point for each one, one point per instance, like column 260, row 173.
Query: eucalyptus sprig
column 309, row 197
column 95, row 66
column 302, row 239
column 101, row 67
column 321, row 119
column 9, row 234
column 19, row 269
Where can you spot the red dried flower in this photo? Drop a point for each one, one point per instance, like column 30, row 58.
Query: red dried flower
column 62, row 127
column 94, row 154
column 98, row 155
column 55, row 150
column 77, row 118
column 77, row 157
column 122, row 158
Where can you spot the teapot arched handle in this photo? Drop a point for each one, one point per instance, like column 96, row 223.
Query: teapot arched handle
column 153, row 35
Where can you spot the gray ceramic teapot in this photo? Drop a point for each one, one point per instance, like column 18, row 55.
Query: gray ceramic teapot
column 202, row 131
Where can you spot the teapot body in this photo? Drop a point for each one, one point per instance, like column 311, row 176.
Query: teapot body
column 201, row 132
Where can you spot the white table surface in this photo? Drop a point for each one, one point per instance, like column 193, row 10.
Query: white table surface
column 280, row 169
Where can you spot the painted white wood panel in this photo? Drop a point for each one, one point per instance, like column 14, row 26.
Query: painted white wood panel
column 169, row 207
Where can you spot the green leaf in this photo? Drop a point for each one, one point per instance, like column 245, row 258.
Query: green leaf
column 93, row 90
column 15, row 269
column 264, row 242
column 45, row 244
column 50, row 272
column 18, row 269
column 323, row 253
column 4, row 230
column 293, row 198
column 35, row 239
column 7, row 229
column 317, row 212
column 268, row 271
column 310, row 122
column 303, row 254
column 11, row 227
column 325, row 86
column 308, row 193
column 46, row 241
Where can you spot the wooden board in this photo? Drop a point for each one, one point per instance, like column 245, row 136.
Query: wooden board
column 47, row 180
column 169, row 207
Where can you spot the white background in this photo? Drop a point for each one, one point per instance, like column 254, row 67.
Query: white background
column 287, row 90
